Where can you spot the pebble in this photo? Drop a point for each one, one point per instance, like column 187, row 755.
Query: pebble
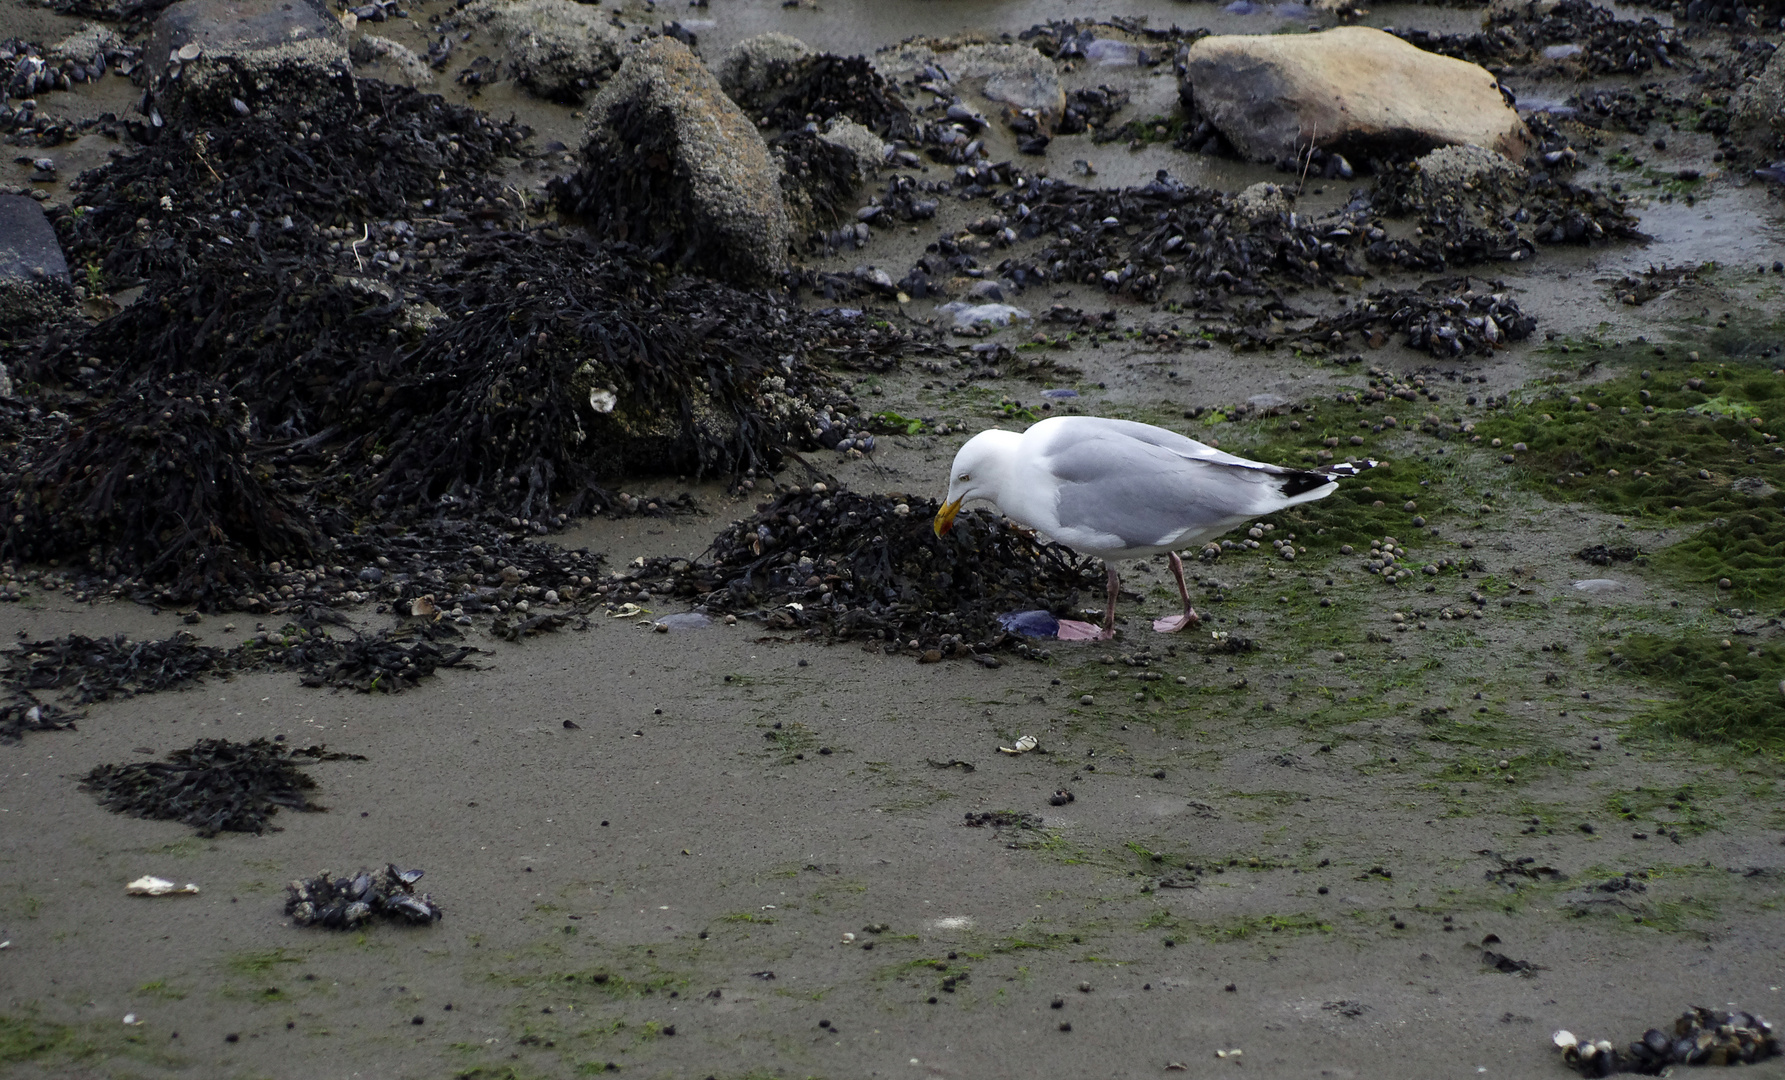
column 1087, row 699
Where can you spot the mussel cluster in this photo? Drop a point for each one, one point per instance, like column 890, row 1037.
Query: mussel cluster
column 1444, row 318
column 26, row 72
column 1592, row 36
column 1138, row 240
column 346, row 902
column 1700, row 1036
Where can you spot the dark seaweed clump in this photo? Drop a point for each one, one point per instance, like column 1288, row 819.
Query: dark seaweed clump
column 409, row 348
column 852, row 566
column 344, row 903
column 99, row 669
column 155, row 485
column 214, row 785
column 386, row 661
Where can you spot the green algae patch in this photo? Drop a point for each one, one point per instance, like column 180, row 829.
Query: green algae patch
column 1726, row 694
column 27, row 1038
column 1689, row 445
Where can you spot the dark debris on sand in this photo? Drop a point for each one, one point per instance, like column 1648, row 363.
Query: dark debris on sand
column 346, row 902
column 214, row 785
column 21, row 712
column 851, row 566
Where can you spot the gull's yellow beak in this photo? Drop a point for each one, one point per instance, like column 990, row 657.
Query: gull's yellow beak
column 945, row 516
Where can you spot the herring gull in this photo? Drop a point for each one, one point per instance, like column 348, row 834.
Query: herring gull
column 1121, row 490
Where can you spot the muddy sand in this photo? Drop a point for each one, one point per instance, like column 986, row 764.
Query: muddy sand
column 1349, row 827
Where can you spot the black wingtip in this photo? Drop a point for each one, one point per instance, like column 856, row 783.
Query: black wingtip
column 1297, row 483
column 1349, row 468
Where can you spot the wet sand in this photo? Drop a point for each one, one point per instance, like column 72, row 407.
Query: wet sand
column 736, row 852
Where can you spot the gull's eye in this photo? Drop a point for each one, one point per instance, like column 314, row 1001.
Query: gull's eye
column 963, row 476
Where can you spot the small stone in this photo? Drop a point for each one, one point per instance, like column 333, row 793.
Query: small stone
column 1087, row 699
column 1725, row 583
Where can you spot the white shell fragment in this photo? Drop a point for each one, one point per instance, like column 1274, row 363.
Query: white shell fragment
column 627, row 611
column 1564, row 1039
column 1023, row 745
column 154, row 886
column 603, row 401
column 1228, row 1053
column 130, row 1020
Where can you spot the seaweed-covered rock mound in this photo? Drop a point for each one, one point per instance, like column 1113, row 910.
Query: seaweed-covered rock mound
column 848, row 565
column 672, row 165
column 157, row 484
column 1353, row 90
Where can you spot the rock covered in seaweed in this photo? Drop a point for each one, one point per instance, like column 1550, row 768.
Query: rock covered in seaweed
column 672, row 165
column 344, row 903
column 1352, row 89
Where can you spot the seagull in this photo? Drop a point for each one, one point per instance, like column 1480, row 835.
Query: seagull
column 1121, row 490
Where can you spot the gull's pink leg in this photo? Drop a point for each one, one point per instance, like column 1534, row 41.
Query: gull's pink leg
column 1109, row 613
column 1171, row 624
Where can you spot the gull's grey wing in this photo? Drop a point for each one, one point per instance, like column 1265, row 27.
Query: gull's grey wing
column 1081, row 427
column 1149, row 495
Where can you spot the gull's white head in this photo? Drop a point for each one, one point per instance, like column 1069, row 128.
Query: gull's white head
column 979, row 471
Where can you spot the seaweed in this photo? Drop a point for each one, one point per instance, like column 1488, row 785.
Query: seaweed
column 854, row 566
column 214, row 785
column 823, row 86
column 156, row 485
column 99, row 669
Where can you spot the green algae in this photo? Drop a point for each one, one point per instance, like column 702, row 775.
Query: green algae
column 1723, row 695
